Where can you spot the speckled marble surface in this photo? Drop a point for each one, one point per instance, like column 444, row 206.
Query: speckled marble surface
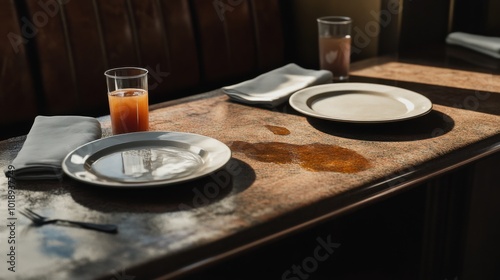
column 286, row 169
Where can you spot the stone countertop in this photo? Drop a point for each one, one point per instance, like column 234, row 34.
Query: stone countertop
column 287, row 170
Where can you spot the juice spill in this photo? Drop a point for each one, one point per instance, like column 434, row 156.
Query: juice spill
column 313, row 157
column 278, row 130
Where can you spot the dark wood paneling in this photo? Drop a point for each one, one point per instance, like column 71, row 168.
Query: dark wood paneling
column 226, row 38
column 181, row 69
column 55, row 67
column 390, row 26
column 86, row 59
column 238, row 38
column 17, row 94
column 84, row 38
column 269, row 33
column 184, row 44
column 424, row 22
column 444, row 225
column 477, row 17
column 481, row 253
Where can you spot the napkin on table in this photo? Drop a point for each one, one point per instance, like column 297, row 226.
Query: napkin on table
column 484, row 44
column 48, row 142
column 275, row 87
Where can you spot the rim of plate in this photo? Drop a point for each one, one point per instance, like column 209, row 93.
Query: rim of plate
column 223, row 156
column 300, row 99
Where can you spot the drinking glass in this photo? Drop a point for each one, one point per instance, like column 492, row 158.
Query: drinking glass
column 128, row 99
column 334, row 33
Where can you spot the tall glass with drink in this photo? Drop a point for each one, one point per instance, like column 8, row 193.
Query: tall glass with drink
column 334, row 34
column 128, row 99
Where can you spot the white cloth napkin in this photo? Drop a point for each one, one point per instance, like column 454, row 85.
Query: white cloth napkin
column 275, row 87
column 48, row 142
column 483, row 44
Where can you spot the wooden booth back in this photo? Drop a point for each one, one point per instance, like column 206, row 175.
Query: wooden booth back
column 59, row 50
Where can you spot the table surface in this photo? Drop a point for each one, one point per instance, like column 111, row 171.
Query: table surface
column 287, row 171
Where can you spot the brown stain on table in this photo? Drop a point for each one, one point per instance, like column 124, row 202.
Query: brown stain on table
column 313, row 157
column 278, row 130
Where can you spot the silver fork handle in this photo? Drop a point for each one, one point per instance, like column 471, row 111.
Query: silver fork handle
column 99, row 227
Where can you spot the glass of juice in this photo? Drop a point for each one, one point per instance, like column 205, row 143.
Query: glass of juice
column 128, row 99
column 334, row 34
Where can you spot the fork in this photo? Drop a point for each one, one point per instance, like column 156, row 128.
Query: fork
column 41, row 220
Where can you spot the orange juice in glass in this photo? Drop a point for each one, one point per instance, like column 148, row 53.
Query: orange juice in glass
column 128, row 99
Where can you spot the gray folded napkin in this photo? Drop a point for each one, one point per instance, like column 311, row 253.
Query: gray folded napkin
column 48, row 142
column 483, row 44
column 275, row 87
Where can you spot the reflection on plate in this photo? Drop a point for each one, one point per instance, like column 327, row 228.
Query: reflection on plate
column 360, row 103
column 146, row 159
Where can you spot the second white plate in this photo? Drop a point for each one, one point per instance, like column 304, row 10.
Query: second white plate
column 360, row 103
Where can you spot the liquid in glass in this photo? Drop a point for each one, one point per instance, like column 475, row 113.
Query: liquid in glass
column 335, row 53
column 129, row 110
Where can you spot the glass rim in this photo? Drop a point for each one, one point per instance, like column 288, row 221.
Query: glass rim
column 334, row 20
column 108, row 74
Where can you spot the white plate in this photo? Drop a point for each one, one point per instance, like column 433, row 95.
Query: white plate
column 146, row 159
column 360, row 103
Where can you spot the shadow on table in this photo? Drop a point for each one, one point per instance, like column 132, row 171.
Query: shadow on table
column 483, row 101
column 432, row 125
column 235, row 177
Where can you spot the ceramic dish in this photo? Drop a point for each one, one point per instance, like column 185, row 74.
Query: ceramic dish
column 360, row 103
column 144, row 159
